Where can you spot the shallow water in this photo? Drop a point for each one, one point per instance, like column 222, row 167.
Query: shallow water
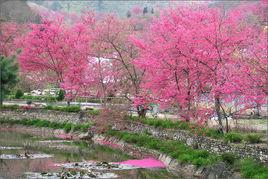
column 62, row 152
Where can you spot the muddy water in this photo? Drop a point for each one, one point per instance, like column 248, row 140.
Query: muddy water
column 61, row 152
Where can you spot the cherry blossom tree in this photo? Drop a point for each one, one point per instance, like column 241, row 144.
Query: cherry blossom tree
column 194, row 52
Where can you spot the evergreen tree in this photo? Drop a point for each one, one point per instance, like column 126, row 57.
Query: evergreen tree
column 8, row 75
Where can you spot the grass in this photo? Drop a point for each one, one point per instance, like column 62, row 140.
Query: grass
column 175, row 149
column 249, row 168
column 64, row 108
column 12, row 107
column 67, row 127
column 233, row 137
column 180, row 125
column 253, row 138
column 93, row 112
column 253, row 170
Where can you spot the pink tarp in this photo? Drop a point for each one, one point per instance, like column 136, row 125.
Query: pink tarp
column 144, row 163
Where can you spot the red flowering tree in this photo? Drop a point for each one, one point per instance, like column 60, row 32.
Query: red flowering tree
column 193, row 55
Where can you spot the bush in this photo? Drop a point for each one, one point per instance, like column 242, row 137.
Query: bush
column 18, row 94
column 67, row 127
column 253, row 138
column 93, row 112
column 228, row 158
column 60, row 95
column 29, row 102
column 233, row 137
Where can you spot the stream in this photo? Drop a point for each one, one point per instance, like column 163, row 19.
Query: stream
column 26, row 156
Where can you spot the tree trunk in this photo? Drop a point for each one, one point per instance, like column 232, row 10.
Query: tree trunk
column 1, row 101
column 141, row 111
column 218, row 111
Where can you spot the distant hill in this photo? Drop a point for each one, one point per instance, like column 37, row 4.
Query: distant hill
column 120, row 7
column 103, row 6
column 17, row 11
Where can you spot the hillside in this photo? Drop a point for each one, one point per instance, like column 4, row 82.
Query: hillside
column 17, row 11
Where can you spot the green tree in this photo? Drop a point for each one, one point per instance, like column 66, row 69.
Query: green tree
column 60, row 95
column 8, row 75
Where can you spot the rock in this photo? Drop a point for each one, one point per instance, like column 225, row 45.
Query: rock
column 85, row 136
column 219, row 170
column 190, row 142
column 198, row 172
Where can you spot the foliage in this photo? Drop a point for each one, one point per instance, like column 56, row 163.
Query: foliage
column 18, row 94
column 39, row 98
column 253, row 138
column 253, row 170
column 67, row 127
column 181, row 125
column 93, row 112
column 198, row 59
column 229, row 158
column 233, row 137
column 8, row 76
column 175, row 149
column 12, row 107
column 60, row 95
column 64, row 108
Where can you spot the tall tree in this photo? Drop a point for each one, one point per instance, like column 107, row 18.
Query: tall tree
column 8, row 75
column 192, row 51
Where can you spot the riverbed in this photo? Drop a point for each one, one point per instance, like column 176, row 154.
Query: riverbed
column 24, row 155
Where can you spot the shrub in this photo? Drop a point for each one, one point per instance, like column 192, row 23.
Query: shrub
column 18, row 94
column 60, row 95
column 29, row 102
column 253, row 138
column 93, row 112
column 228, row 158
column 213, row 133
column 233, row 137
column 67, row 127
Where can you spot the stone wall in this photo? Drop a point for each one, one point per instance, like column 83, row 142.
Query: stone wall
column 205, row 143
column 209, row 144
column 57, row 116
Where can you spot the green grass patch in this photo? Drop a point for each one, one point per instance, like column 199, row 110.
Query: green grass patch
column 253, row 138
column 176, row 149
column 64, row 108
column 251, row 169
column 180, row 125
column 233, row 137
column 11, row 107
column 67, row 127
column 93, row 112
